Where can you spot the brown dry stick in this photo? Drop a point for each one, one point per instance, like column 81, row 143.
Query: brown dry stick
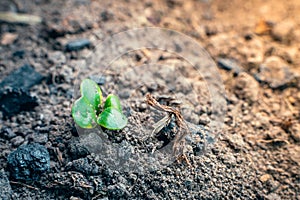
column 10, row 17
column 183, row 128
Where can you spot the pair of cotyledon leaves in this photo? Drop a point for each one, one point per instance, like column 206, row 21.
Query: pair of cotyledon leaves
column 85, row 109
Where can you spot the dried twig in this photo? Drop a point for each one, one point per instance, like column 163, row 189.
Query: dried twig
column 59, row 155
column 25, row 185
column 10, row 17
column 180, row 122
column 161, row 124
column 152, row 102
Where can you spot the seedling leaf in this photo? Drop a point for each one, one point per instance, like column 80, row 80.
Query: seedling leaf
column 113, row 101
column 85, row 110
column 83, row 113
column 112, row 119
column 91, row 91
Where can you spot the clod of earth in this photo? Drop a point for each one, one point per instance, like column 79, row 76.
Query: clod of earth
column 83, row 165
column 28, row 162
column 14, row 90
column 13, row 101
column 23, row 78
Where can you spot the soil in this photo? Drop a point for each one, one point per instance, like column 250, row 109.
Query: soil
column 255, row 156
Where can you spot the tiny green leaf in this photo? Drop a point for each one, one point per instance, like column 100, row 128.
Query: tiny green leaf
column 83, row 113
column 112, row 119
column 91, row 91
column 113, row 101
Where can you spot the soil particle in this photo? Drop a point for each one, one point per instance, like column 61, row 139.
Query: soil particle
column 75, row 198
column 295, row 156
column 98, row 183
column 253, row 50
column 56, row 57
column 290, row 55
column 8, row 38
column 68, row 21
column 204, row 119
column 246, row 88
column 7, row 133
column 265, row 177
column 229, row 65
column 78, row 64
column 295, row 132
column 63, row 181
column 18, row 54
column 275, row 73
column 236, row 142
column 273, row 196
column 83, row 165
column 77, row 150
column 117, row 191
column 106, row 15
column 41, row 138
column 283, row 31
column 28, row 162
column 5, row 188
column 77, row 45
column 263, row 27
column 17, row 141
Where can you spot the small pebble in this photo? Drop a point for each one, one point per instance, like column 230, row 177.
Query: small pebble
column 77, row 44
column 229, row 65
column 8, row 38
column 265, row 178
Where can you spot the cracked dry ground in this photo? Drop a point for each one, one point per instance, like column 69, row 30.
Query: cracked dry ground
column 257, row 47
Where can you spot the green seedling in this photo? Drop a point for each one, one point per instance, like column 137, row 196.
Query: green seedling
column 113, row 101
column 86, row 111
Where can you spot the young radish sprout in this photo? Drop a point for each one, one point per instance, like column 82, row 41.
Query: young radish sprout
column 87, row 111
